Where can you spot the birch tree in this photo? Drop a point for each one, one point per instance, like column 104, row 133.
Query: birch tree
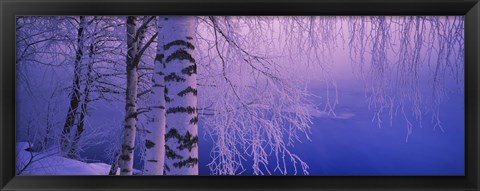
column 135, row 51
column 154, row 159
column 75, row 96
column 88, row 77
column 128, row 146
column 72, row 153
column 181, row 138
column 49, row 46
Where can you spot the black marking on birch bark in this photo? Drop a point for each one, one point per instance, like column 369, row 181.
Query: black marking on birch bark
column 151, row 160
column 189, row 110
column 129, row 104
column 179, row 43
column 158, row 85
column 159, row 57
column 166, row 168
column 169, row 153
column 185, row 142
column 160, row 73
column 128, row 126
column 194, row 120
column 167, row 99
column 189, row 38
column 189, row 70
column 165, row 19
column 190, row 162
column 125, row 170
column 180, row 54
column 165, row 94
column 125, row 157
column 187, row 90
column 149, row 144
column 132, row 115
column 157, row 107
column 172, row 133
column 131, row 67
column 127, row 147
column 149, row 132
column 188, row 142
column 174, row 77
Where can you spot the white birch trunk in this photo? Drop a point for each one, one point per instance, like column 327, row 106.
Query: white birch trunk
column 181, row 96
column 155, row 130
column 130, row 123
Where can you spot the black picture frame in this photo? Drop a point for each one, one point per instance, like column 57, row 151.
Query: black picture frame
column 10, row 8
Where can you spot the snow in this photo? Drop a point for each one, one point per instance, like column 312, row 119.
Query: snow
column 49, row 163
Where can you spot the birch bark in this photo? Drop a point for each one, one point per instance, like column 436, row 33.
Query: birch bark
column 155, row 131
column 181, row 96
column 130, row 123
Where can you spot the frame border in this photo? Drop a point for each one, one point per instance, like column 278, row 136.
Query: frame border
column 10, row 8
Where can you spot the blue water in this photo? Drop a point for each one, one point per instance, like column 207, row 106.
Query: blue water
column 357, row 146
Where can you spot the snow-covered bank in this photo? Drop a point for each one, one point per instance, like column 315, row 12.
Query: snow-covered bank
column 50, row 163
